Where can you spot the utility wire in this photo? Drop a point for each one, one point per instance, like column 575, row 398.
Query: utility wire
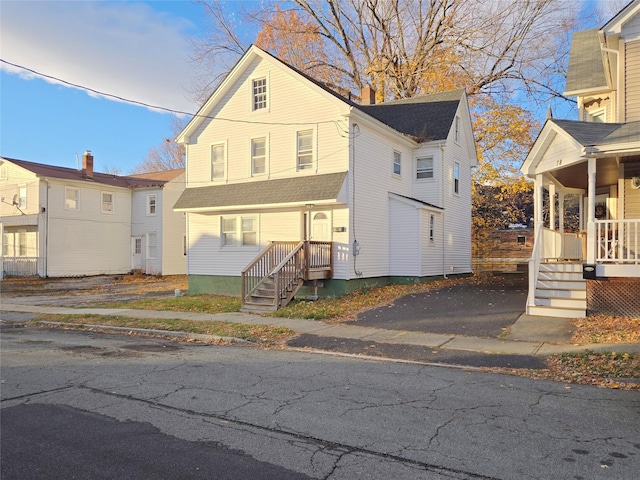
column 156, row 107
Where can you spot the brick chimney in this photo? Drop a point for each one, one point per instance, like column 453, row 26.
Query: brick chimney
column 367, row 96
column 87, row 164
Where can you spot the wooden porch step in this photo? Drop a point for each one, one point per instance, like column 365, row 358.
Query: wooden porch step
column 562, row 284
column 546, row 311
column 542, row 292
column 561, row 267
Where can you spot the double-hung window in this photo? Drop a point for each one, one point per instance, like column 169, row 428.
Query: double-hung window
column 456, row 177
column 240, row 231
column 457, row 130
column 217, row 161
column 106, row 204
column 22, row 197
column 305, row 149
column 151, row 204
column 424, row 167
column 397, row 162
column 70, row 198
column 152, row 245
column 259, row 94
column 258, row 156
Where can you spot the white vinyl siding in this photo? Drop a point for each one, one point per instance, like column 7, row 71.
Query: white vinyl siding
column 632, row 81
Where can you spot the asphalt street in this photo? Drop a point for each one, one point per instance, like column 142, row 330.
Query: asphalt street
column 113, row 406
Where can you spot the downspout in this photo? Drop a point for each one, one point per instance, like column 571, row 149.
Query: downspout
column 444, row 235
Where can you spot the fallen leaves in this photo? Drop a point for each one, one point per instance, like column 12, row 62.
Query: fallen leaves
column 606, row 329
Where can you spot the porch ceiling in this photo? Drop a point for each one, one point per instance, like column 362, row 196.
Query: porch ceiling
column 576, row 176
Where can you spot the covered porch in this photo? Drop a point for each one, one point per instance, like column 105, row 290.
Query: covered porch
column 586, row 210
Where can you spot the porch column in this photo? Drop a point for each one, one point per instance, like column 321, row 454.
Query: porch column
column 552, row 207
column 591, row 212
column 538, row 202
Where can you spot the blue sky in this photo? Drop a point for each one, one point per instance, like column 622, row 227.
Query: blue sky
column 134, row 49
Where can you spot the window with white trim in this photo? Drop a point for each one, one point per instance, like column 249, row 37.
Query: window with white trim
column 152, row 245
column 259, row 94
column 456, row 177
column 457, row 130
column 397, row 162
column 432, row 227
column 71, row 198
column 22, row 197
column 151, row 204
column 424, row 168
column 217, row 161
column 239, row 231
column 305, row 149
column 258, row 156
column 106, row 204
column 598, row 116
column 137, row 249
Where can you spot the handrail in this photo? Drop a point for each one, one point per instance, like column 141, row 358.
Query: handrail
column 287, row 265
column 618, row 241
column 534, row 266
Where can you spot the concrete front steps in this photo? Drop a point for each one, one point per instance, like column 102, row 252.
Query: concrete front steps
column 560, row 291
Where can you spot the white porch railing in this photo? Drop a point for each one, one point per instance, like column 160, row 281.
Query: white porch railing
column 618, row 241
column 561, row 246
column 20, row 266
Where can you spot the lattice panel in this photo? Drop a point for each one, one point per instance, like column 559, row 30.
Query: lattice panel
column 619, row 297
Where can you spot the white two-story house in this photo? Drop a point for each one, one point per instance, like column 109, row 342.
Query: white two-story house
column 57, row 221
column 592, row 267
column 290, row 184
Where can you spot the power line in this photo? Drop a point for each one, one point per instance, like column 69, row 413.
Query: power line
column 156, row 107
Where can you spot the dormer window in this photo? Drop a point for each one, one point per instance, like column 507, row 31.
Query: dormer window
column 259, row 86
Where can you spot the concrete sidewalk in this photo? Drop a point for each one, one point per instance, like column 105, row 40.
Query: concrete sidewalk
column 530, row 335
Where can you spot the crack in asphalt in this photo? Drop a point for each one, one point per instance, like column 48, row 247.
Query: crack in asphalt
column 325, row 445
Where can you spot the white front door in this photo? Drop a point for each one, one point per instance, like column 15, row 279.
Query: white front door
column 136, row 253
column 320, row 227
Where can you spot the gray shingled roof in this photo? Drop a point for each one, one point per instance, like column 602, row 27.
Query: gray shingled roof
column 592, row 133
column 586, row 68
column 64, row 173
column 265, row 192
column 425, row 118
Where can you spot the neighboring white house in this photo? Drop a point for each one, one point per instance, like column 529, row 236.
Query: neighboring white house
column 595, row 269
column 365, row 194
column 57, row 221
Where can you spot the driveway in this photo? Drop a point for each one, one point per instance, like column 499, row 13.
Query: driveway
column 479, row 309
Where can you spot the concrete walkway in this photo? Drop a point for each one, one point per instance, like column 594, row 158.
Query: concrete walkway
column 530, row 335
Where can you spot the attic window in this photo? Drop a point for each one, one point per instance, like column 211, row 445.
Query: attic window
column 259, row 94
column 457, row 130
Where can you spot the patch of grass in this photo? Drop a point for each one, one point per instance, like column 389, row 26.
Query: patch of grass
column 606, row 329
column 261, row 334
column 203, row 303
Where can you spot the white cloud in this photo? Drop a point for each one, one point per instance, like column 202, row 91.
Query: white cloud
column 122, row 48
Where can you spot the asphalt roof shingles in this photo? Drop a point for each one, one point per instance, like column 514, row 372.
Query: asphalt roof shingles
column 264, row 192
column 586, row 68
